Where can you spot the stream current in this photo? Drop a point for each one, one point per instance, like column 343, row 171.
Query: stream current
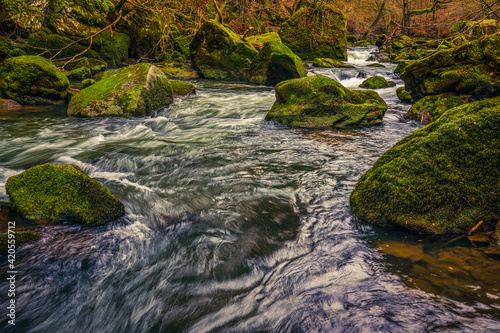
column 234, row 224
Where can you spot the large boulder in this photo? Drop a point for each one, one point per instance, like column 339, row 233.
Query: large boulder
column 218, row 52
column 32, row 80
column 261, row 39
column 442, row 178
column 321, row 102
column 23, row 15
column 62, row 193
column 275, row 63
column 316, row 31
column 472, row 69
column 133, row 91
column 430, row 108
column 111, row 47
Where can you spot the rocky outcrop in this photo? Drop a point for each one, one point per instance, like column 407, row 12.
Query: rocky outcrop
column 219, row 53
column 275, row 63
column 376, row 82
column 62, row 193
column 321, row 102
column 133, row 91
column 316, row 31
column 32, row 80
column 442, row 178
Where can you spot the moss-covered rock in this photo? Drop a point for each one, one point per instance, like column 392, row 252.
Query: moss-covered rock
column 23, row 15
column 219, row 53
column 402, row 66
column 177, row 70
column 321, row 102
column 443, row 178
column 381, row 39
column 87, row 83
column 376, row 65
column 32, row 80
column 56, row 46
column 316, row 31
column 430, row 108
column 62, row 193
column 21, row 238
column 82, row 68
column 261, row 39
column 469, row 69
column 403, row 95
column 133, row 91
column 112, row 47
column 275, row 63
column 182, row 89
column 9, row 49
column 330, row 63
column 8, row 103
column 376, row 82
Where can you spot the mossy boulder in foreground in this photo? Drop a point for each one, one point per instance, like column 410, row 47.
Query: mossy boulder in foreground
column 443, row 178
column 321, row 102
column 432, row 107
column 316, row 31
column 32, row 80
column 275, row 63
column 62, row 192
column 133, row 91
column 218, row 52
column 472, row 68
column 376, row 82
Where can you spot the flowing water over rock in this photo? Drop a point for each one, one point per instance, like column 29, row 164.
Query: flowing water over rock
column 234, row 224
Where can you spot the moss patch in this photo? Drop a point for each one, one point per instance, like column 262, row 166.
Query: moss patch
column 31, row 80
column 430, row 108
column 275, row 63
column 62, row 193
column 329, row 63
column 133, row 91
column 320, row 102
column 442, row 178
column 182, row 89
column 376, row 82
column 177, row 70
column 261, row 39
column 21, row 237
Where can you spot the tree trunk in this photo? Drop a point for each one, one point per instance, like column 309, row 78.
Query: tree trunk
column 405, row 29
column 379, row 15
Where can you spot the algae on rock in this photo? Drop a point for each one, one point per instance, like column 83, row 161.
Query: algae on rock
column 62, row 192
column 219, row 53
column 321, row 102
column 442, row 178
column 275, row 63
column 32, row 80
column 133, row 91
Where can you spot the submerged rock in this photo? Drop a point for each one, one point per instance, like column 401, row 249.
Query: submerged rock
column 376, row 82
column 403, row 95
column 430, row 108
column 32, row 80
column 329, row 63
column 321, row 102
column 472, row 69
column 62, row 193
column 182, row 89
column 218, row 52
column 275, row 63
column 316, row 31
column 133, row 91
column 442, row 178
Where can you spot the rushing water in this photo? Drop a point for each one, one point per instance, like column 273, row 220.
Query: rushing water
column 234, row 224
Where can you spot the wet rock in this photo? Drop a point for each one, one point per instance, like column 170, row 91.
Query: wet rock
column 218, row 52
column 316, row 31
column 182, row 89
column 62, row 193
column 275, row 63
column 376, row 82
column 403, row 95
column 320, row 102
column 133, row 91
column 22, row 238
column 330, row 63
column 376, row 65
column 32, row 80
column 442, row 178
column 430, row 108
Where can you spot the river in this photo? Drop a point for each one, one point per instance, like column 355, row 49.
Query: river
column 234, row 224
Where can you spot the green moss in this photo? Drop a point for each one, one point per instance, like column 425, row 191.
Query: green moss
column 133, row 91
column 176, row 70
column 351, row 39
column 381, row 39
column 320, row 102
column 87, row 83
column 112, row 47
column 261, row 39
column 376, row 65
column 219, row 53
column 329, row 63
column 442, row 178
column 32, row 80
column 182, row 89
column 57, row 47
column 275, row 63
column 376, row 82
column 316, row 31
column 62, row 193
column 21, row 238
column 430, row 108
column 9, row 49
column 403, row 95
